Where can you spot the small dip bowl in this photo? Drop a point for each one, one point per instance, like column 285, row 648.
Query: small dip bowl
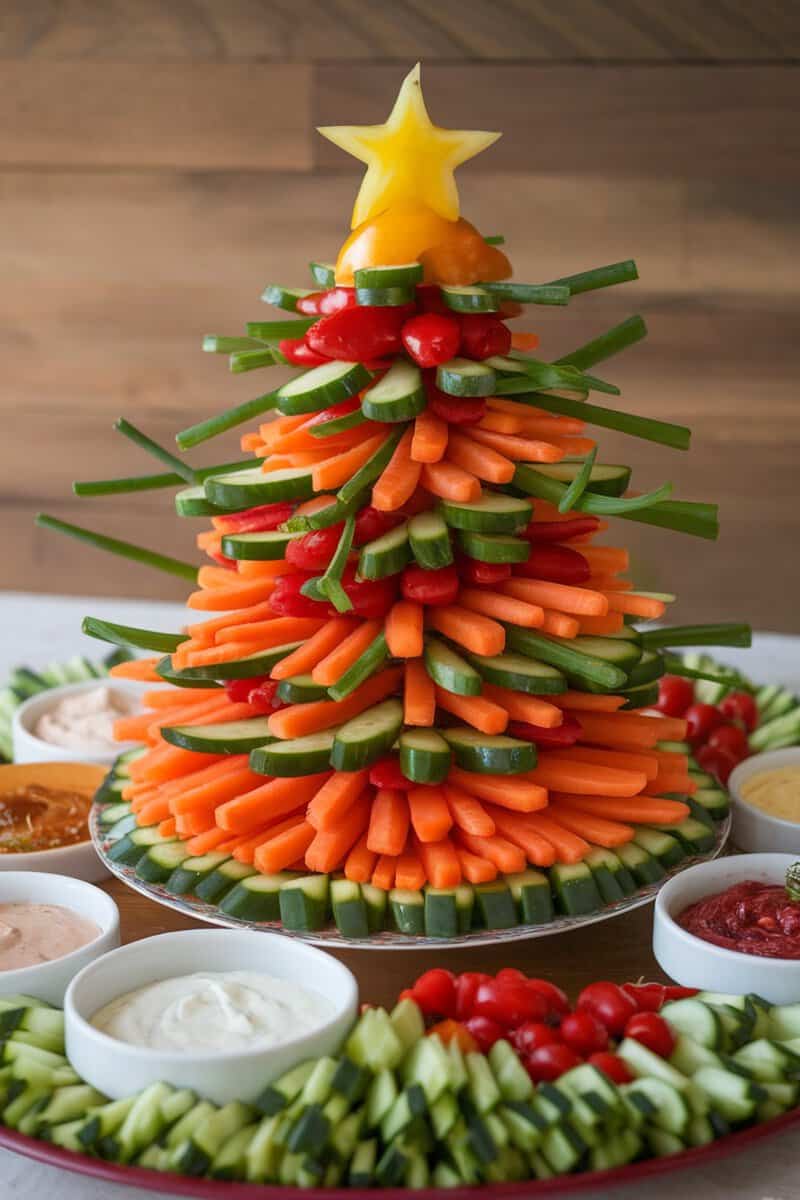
column 49, row 980
column 28, row 748
column 119, row 1068
column 752, row 828
column 79, row 860
column 693, row 962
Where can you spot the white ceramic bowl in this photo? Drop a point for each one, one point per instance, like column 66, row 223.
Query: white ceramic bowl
column 751, row 828
column 30, row 748
column 118, row 1068
column 693, row 962
column 49, row 980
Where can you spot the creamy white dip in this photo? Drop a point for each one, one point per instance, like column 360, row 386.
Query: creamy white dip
column 85, row 719
column 231, row 1010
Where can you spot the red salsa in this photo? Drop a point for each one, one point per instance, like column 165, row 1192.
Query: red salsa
column 751, row 917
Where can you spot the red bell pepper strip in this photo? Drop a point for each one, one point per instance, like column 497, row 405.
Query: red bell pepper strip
column 430, row 587
column 557, row 564
column 560, row 738
column 560, row 531
column 360, row 334
column 483, row 335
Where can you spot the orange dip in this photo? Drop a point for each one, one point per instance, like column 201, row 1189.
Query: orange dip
column 33, row 817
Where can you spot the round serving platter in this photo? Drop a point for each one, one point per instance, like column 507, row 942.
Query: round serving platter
column 190, row 906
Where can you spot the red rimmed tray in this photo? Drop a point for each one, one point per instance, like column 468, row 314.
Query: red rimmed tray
column 211, row 1189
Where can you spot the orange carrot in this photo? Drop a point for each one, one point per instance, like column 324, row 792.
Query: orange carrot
column 199, row 821
column 588, row 701
column 666, row 782
column 205, row 631
column 360, row 862
column 238, row 595
column 154, row 811
column 250, row 442
column 586, row 778
column 520, row 449
column 307, row 656
column 217, row 792
column 300, row 719
column 606, row 558
column 215, row 577
column 636, row 810
column 519, row 793
column 475, row 869
column 141, row 669
column 218, row 713
column 430, row 438
column 450, row 482
column 333, row 472
column 399, row 477
column 521, row 707
column 608, row 758
column 173, row 762
column 330, row 847
column 229, row 652
column 563, row 597
column 479, row 460
column 610, row 728
column 227, row 765
column 612, row 622
column 505, row 855
column 166, row 698
column 596, row 830
column 167, row 828
column 419, row 694
column 404, row 629
column 268, row 802
column 559, row 624
column 440, row 862
column 430, row 816
column 467, row 812
column 635, row 605
column 409, row 872
column 568, row 846
column 276, row 632
column 337, row 795
column 524, row 341
column 204, row 843
column 280, row 850
column 502, row 608
column 474, row 632
column 384, row 873
column 342, row 656
column 477, row 711
column 388, row 821
column 134, row 729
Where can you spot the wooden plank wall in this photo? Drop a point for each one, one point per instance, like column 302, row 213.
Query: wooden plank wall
column 158, row 165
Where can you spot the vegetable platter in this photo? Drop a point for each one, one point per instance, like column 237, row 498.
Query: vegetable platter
column 416, row 682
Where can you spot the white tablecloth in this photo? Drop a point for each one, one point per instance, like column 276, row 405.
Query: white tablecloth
column 37, row 629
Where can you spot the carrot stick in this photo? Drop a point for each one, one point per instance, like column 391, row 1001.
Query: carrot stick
column 203, row 843
column 666, row 781
column 166, row 828
column 192, row 823
column 250, row 442
column 360, row 862
column 560, row 625
column 330, row 847
column 388, row 821
column 504, row 854
column 524, row 341
column 333, row 472
column 134, row 729
column 519, row 794
column 275, row 632
column 588, row 779
column 268, row 802
column 634, row 605
column 337, row 795
column 300, row 719
column 563, row 597
column 238, row 595
column 568, row 846
column 430, row 438
column 227, row 765
column 624, row 760
column 167, row 697
column 399, row 478
column 154, row 811
column 610, row 728
column 342, row 656
column 409, row 871
column 471, row 630
column 174, row 762
column 596, row 830
column 588, row 701
column 475, row 869
column 217, row 792
column 205, row 631
column 404, row 629
column 430, row 816
column 419, row 695
column 307, row 656
column 612, row 622
column 607, row 558
column 519, row 449
column 521, row 707
column 502, row 608
column 467, row 812
column 218, row 654
column 637, row 810
column 215, row 577
column 280, row 850
column 440, row 862
column 141, row 669
column 450, row 482
column 384, row 873
column 487, row 464
column 477, row 711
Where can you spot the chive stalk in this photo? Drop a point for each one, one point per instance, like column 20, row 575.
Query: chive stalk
column 149, row 558
column 214, row 343
column 665, row 433
column 731, row 633
column 214, row 426
column 675, row 665
column 579, row 484
column 495, row 239
column 251, row 360
column 599, row 277
column 146, row 483
column 276, row 331
column 371, row 468
column 539, row 374
column 529, row 293
column 129, row 635
column 142, row 440
column 684, row 516
column 331, row 582
column 612, row 342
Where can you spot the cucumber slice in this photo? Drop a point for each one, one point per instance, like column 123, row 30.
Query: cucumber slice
column 246, row 489
column 218, row 883
column 322, row 387
column 696, row 837
column 130, row 849
column 377, row 902
column 645, row 695
column 605, row 867
column 469, row 299
column 606, row 479
column 192, row 502
column 575, row 889
column 159, row 862
column 713, row 800
column 269, row 546
column 385, row 297
column 649, row 668
column 337, row 425
column 643, row 867
column 230, row 737
column 531, row 892
column 519, row 673
column 254, row 898
column 493, row 513
column 366, row 737
column 463, row 377
column 424, row 756
column 495, row 905
column 349, row 909
column 385, row 555
column 323, row 274
column 304, row 902
column 529, row 293
column 695, row 1020
column 668, row 850
column 301, row 689
column 430, row 541
column 403, row 275
column 260, row 662
column 568, row 656
column 300, row 756
column 399, row 396
column 487, row 754
column 282, row 297
column 494, row 547
column 189, row 873
column 450, row 670
column 408, row 911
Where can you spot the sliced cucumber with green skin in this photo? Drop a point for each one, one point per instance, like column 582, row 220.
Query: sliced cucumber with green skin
column 519, row 673
column 489, row 754
column 323, row 274
column 308, row 755
column 649, row 668
column 463, row 377
column 260, row 662
column 230, row 737
column 494, row 547
column 365, row 665
column 301, row 689
column 192, row 502
column 605, row 479
column 322, row 387
column 714, row 801
column 130, row 849
column 246, row 489
column 643, row 867
column 495, row 905
column 442, row 912
column 399, row 396
column 696, row 837
column 304, row 902
column 218, row 883
column 533, row 897
column 385, row 555
column 622, row 652
column 376, row 902
column 165, row 670
column 575, row 889
column 565, row 656
column 645, row 695
column 159, row 862
column 529, row 293
column 667, row 849
column 385, row 297
column 255, row 898
column 189, row 874
column 349, row 909
column 282, row 297
column 268, row 546
column 403, row 275
column 424, row 756
column 363, row 740
column 450, row 670
column 408, row 911
column 469, row 299
column 430, row 541
column 605, row 867
column 371, row 469
column 493, row 513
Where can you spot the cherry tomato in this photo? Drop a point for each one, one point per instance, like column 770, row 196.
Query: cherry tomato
column 483, row 335
column 386, row 773
column 359, row 334
column 264, row 697
column 288, row 601
column 718, row 763
column 532, row 1034
column 731, row 739
column 549, row 1062
column 512, row 974
column 435, row 992
column 256, row 520
column 371, row 524
column 485, row 1031
column 456, row 410
column 652, row 1031
column 298, row 352
column 406, row 994
column 555, row 998
column 472, row 571
column 429, row 299
column 701, row 719
column 313, row 551
column 562, row 736
column 675, row 694
column 431, row 339
column 740, row 706
column 453, row 1031
column 336, row 410
column 557, row 564
column 612, row 1066
column 560, row 531
column 238, row 690
column 324, row 303
column 583, row 1033
column 467, row 984
column 429, row 587
column 509, row 1002
column 648, row 997
column 606, row 1001
column 371, row 598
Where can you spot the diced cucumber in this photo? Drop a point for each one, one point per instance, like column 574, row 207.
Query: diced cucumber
column 784, row 1022
column 143, row 1124
column 562, row 1148
column 662, row 1143
column 304, row 902
column 321, row 387
column 362, row 1164
column 492, row 513
column 533, row 897
column 376, row 901
column 349, row 909
column 643, row 867
column 511, row 1077
column 495, row 905
column 130, row 849
column 385, row 555
column 605, row 867
column 307, row 755
column 430, row 541
column 409, row 1104
column 217, row 883
column 381, row 1095
column 260, row 662
column 104, row 1121
column 450, row 670
column 374, row 1043
column 766, row 1061
column 245, row 489
column 575, row 889
column 734, row 1096
column 113, row 812
column 279, row 1094
column 519, row 673
column 463, row 377
column 157, row 865
column 714, row 800
column 399, row 396
column 365, row 738
column 231, row 1161
column 211, row 1135
column 428, row 1065
column 668, row 850
column 696, row 837
column 689, row 1055
column 255, row 898
column 267, row 546
column 424, row 756
column 696, row 1020
column 408, row 911
column 670, row 1110
column 489, row 754
column 494, row 547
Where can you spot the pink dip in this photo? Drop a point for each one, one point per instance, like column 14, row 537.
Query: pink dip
column 37, row 933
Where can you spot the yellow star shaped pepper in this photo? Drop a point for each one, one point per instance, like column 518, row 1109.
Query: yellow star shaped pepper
column 408, row 157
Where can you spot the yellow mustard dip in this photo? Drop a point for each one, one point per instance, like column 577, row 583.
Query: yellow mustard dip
column 775, row 792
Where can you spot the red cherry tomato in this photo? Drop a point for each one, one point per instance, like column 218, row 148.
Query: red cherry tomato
column 435, row 993
column 429, row 587
column 555, row 998
column 731, row 739
column 467, row 984
column 264, row 697
column 359, row 334
column 324, row 303
column 512, row 974
column 740, row 706
column 456, row 410
column 257, row 520
column 238, row 690
column 561, row 737
column 431, row 339
column 288, row 601
column 583, row 1033
column 612, row 1007
column 472, row 571
column 612, row 1066
column 532, row 1034
column 371, row 598
column 371, row 524
column 509, row 1002
column 701, row 719
column 560, row 531
column 718, row 763
column 485, row 1031
column 549, row 1062
column 557, row 564
column 429, row 299
column 336, row 410
column 386, row 773
column 652, row 1031
column 313, row 551
column 648, row 997
column 675, row 694
column 298, row 352
column 483, row 335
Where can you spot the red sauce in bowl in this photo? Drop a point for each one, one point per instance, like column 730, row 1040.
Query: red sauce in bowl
column 750, row 917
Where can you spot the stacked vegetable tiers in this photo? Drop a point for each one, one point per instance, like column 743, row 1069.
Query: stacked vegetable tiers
column 413, row 675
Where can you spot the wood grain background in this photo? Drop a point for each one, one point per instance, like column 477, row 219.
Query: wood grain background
column 159, row 165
